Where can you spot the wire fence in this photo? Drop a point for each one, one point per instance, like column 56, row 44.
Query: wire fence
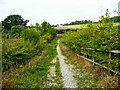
column 110, row 53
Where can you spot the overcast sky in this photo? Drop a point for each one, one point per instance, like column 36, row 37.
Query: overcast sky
column 57, row 11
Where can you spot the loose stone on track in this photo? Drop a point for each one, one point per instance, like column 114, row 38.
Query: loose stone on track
column 68, row 79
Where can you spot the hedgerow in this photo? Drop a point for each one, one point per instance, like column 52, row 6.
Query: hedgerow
column 20, row 44
column 102, row 38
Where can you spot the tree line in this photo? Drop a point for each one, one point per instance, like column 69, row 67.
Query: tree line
column 116, row 19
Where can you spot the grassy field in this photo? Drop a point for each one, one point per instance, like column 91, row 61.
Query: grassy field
column 71, row 27
column 76, row 26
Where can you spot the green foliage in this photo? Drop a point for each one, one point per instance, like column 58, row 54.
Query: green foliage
column 16, row 30
column 18, row 51
column 31, row 34
column 38, row 27
column 5, row 33
column 79, row 22
column 43, row 41
column 34, row 76
column 45, row 27
column 57, row 66
column 116, row 18
column 20, row 44
column 52, row 32
column 15, row 51
column 103, row 36
column 13, row 20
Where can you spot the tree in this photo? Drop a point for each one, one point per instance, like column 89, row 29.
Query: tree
column 45, row 26
column 13, row 20
column 37, row 25
column 86, row 21
column 115, row 19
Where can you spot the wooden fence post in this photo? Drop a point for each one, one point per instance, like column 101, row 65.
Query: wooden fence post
column 93, row 60
column 110, row 55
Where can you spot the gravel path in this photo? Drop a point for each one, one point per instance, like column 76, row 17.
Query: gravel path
column 68, row 79
column 51, row 74
column 53, row 80
column 52, row 68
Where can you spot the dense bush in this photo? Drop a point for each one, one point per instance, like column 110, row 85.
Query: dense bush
column 45, row 28
column 52, row 32
column 32, row 34
column 104, row 36
column 15, row 51
column 20, row 44
column 43, row 41
column 18, row 51
column 16, row 30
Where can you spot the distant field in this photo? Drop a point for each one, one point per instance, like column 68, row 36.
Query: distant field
column 71, row 27
column 115, row 23
column 75, row 26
